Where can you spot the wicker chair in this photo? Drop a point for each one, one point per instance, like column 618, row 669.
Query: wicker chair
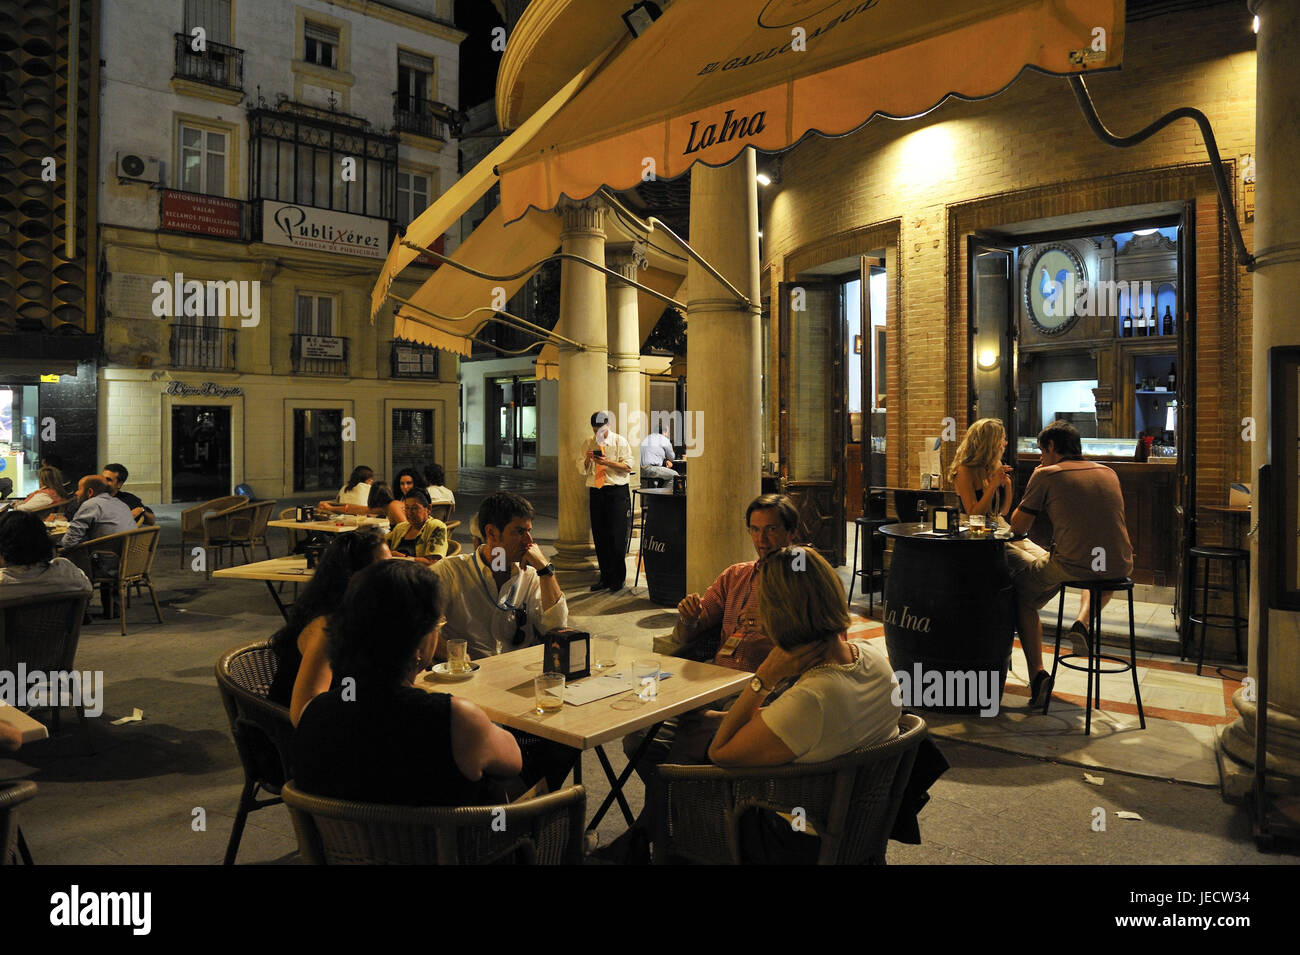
column 851, row 802
column 542, row 831
column 42, row 633
column 262, row 730
column 244, row 527
column 194, row 522
column 442, row 512
column 12, row 843
column 134, row 551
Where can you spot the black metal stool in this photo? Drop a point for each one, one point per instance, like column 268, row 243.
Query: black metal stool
column 868, row 573
column 1233, row 621
column 1093, row 668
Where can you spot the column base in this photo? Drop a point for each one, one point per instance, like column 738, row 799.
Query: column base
column 575, row 555
column 1234, row 750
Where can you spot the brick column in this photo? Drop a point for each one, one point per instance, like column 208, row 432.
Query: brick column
column 723, row 387
column 1276, row 322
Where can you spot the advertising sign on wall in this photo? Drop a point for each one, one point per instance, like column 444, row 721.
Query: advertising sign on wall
column 321, row 230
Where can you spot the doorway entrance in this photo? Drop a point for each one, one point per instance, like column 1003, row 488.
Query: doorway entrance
column 512, row 423
column 200, row 452
column 317, row 449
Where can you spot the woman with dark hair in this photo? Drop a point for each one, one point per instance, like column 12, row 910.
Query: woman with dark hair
column 302, row 665
column 406, row 480
column 419, row 536
column 379, row 739
column 437, row 490
column 28, row 566
column 379, row 503
column 355, row 492
column 837, row 693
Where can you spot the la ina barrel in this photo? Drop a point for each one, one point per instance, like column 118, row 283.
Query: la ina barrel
column 663, row 546
column 949, row 620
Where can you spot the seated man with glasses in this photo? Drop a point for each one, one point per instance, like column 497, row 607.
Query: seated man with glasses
column 503, row 594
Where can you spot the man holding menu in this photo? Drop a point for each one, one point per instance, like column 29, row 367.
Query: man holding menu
column 607, row 461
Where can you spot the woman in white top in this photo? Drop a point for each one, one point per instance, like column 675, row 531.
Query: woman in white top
column 836, row 695
column 49, row 491
column 437, row 490
column 28, row 567
column 357, row 490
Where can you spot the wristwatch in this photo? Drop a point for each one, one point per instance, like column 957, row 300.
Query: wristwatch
column 757, row 684
column 547, row 571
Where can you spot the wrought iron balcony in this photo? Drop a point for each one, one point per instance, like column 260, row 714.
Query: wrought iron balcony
column 218, row 64
column 423, row 117
column 203, row 347
column 319, row 355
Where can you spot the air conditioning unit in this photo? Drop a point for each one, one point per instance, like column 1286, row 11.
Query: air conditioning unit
column 138, row 168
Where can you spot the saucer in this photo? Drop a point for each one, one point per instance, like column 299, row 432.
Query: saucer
column 440, row 672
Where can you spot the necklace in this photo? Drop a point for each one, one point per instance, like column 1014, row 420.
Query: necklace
column 832, row 665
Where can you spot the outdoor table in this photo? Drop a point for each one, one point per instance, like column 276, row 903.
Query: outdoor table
column 503, row 688
column 291, row 569
column 334, row 526
column 56, row 529
column 949, row 605
column 663, row 545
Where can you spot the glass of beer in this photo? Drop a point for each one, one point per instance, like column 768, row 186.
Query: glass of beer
column 457, row 656
column 548, row 693
column 978, row 528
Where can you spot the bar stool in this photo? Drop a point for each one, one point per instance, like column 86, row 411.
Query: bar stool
column 1233, row 621
column 868, row 573
column 1093, row 668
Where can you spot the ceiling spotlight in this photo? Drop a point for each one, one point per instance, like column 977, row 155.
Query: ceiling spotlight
column 639, row 18
column 1254, row 25
column 1145, row 231
column 763, row 179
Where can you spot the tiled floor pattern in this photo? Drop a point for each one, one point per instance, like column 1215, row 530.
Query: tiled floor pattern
column 1182, row 711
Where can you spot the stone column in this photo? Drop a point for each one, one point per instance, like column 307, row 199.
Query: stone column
column 724, row 354
column 1276, row 322
column 625, row 347
column 583, row 379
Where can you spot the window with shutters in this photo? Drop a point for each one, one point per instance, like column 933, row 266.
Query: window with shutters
column 321, row 45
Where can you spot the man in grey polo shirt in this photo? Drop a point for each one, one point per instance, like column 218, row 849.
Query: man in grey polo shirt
column 98, row 514
column 1089, row 541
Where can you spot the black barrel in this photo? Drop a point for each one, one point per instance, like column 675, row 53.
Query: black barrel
column 663, row 546
column 950, row 608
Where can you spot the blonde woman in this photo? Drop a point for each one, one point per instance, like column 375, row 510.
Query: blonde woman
column 981, row 479
column 839, row 692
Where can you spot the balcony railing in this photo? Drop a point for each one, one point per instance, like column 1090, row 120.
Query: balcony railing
column 319, row 355
column 411, row 360
column 423, row 117
column 203, row 347
column 217, row 65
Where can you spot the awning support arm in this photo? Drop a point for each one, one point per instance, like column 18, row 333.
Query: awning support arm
column 515, row 322
column 699, row 259
column 1211, row 147
column 557, row 257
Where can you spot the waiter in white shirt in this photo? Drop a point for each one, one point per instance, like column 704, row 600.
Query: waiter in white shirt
column 607, row 461
column 503, row 594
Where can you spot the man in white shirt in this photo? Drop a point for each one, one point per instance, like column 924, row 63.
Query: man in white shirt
column 657, row 456
column 607, row 461
column 503, row 594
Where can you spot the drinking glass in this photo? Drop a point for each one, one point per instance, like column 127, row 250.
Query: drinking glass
column 457, row 656
column 645, row 678
column 976, row 523
column 923, row 511
column 548, row 693
column 604, row 654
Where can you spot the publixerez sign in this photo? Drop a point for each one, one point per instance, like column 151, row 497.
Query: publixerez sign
column 304, row 227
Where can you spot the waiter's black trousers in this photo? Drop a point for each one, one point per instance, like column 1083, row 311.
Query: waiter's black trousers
column 609, row 508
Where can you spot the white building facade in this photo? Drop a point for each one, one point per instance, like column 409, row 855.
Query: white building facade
column 256, row 162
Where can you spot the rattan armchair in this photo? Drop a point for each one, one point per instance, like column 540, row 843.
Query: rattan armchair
column 442, row 512
column 134, row 552
column 195, row 526
column 542, row 831
column 262, row 730
column 12, row 843
column 243, row 527
column 42, row 633
column 850, row 802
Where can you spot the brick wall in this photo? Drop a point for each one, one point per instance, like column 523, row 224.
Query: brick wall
column 1025, row 154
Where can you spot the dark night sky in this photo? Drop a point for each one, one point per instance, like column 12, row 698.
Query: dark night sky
column 478, row 61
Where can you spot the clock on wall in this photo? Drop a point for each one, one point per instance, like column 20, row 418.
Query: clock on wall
column 1053, row 284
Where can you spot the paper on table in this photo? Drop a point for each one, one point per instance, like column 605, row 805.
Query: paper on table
column 596, row 688
column 30, row 729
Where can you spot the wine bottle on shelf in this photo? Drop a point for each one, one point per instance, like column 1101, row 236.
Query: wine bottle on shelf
column 1128, row 324
column 1169, row 321
column 1173, row 378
